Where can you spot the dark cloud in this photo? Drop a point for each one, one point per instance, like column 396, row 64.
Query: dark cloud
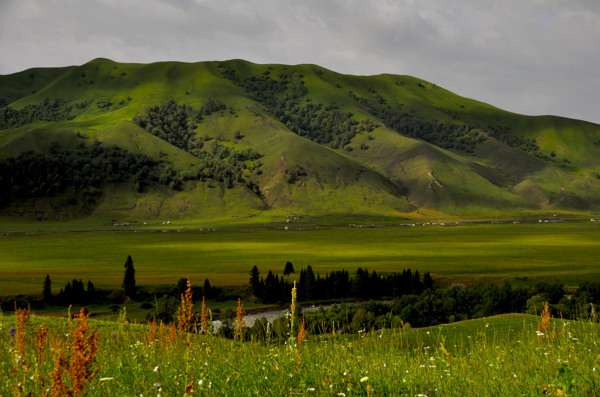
column 532, row 57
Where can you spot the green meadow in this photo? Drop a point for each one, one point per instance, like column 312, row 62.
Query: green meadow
column 501, row 355
column 520, row 253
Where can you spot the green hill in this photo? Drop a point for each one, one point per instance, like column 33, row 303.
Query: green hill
column 237, row 141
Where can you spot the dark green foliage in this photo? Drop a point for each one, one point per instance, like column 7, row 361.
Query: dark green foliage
column 50, row 110
column 338, row 284
column 165, row 309
column 460, row 136
column 91, row 291
column 310, row 284
column 171, row 122
column 47, row 290
column 294, row 173
column 224, row 164
column 74, row 293
column 272, row 289
column 227, row 318
column 175, row 124
column 503, row 134
column 255, row 282
column 448, row 136
column 208, row 290
column 258, row 332
column 319, row 123
column 181, row 286
column 104, row 104
column 430, row 307
column 128, row 284
column 84, row 171
column 289, row 268
column 263, row 89
column 322, row 124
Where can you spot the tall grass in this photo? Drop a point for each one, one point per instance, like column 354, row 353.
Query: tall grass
column 485, row 357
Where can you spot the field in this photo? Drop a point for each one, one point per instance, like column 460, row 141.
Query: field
column 519, row 253
column 493, row 356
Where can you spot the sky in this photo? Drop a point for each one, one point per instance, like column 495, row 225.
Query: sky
column 532, row 57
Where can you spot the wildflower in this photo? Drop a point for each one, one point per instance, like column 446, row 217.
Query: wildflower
column 12, row 332
column 78, row 366
column 156, row 369
column 364, row 379
column 186, row 318
column 546, row 319
column 240, row 325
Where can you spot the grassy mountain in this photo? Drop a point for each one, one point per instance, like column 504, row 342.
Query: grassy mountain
column 236, row 140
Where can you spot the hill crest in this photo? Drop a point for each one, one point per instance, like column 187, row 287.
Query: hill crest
column 234, row 139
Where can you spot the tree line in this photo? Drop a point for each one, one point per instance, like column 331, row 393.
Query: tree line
column 54, row 109
column 51, row 110
column 84, row 171
column 461, row 136
column 176, row 124
column 324, row 124
column 337, row 284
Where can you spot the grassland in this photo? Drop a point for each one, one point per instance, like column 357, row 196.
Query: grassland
column 502, row 355
column 492, row 252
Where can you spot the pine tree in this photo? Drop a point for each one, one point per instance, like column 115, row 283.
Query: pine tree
column 427, row 281
column 310, row 286
column 289, row 269
column 207, row 289
column 91, row 291
column 129, row 278
column 47, row 291
column 255, row 282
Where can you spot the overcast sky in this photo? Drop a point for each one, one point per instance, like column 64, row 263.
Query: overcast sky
column 527, row 56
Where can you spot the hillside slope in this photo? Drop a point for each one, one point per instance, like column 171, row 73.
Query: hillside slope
column 225, row 140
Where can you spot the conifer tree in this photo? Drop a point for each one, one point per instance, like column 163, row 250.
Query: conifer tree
column 129, row 278
column 207, row 289
column 255, row 282
column 289, row 269
column 310, row 285
column 47, row 291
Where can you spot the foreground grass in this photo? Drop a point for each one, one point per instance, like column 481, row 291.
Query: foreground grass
column 497, row 356
column 486, row 251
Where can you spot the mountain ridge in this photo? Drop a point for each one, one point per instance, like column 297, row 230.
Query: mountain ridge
column 227, row 139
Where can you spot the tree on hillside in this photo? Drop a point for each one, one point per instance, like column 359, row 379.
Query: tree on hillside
column 47, row 291
column 129, row 278
column 289, row 269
